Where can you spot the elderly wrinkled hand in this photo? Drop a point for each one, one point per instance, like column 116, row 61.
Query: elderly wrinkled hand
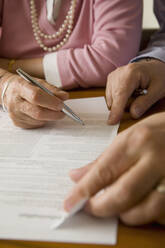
column 29, row 106
column 124, row 81
column 128, row 179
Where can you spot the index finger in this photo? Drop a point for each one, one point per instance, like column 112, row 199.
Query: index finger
column 63, row 95
column 107, row 168
column 118, row 106
column 121, row 83
column 37, row 96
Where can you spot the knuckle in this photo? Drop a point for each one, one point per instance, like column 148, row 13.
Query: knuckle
column 37, row 113
column 104, row 176
column 14, row 78
column 113, row 75
column 100, row 210
column 13, row 104
column 15, row 83
column 118, row 92
column 24, row 108
column 130, row 69
column 17, row 79
column 82, row 191
column 36, row 95
column 109, row 78
column 124, row 196
column 142, row 135
column 121, row 89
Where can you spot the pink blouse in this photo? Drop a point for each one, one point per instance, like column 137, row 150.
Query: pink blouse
column 106, row 35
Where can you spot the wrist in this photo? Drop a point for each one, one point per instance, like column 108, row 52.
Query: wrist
column 34, row 67
column 150, row 60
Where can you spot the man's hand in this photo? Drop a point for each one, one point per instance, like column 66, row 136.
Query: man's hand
column 124, row 81
column 126, row 176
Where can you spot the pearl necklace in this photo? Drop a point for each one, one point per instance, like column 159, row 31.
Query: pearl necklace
column 66, row 27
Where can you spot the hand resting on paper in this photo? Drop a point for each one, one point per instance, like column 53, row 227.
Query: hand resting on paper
column 29, row 106
column 132, row 173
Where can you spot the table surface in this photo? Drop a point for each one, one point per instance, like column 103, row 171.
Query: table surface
column 151, row 236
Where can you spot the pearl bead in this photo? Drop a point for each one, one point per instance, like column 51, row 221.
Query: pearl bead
column 67, row 27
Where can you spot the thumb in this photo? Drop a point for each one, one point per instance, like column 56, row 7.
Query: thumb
column 143, row 103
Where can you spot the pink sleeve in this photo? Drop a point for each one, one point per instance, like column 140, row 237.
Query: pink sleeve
column 115, row 40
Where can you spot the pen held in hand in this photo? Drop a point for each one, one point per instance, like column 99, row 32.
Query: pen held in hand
column 65, row 109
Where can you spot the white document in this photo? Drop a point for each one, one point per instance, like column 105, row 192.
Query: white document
column 34, row 167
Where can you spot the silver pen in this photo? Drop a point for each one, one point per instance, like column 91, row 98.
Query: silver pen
column 65, row 109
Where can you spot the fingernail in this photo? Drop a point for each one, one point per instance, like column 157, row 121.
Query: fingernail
column 137, row 111
column 69, row 203
column 64, row 94
column 78, row 206
column 76, row 173
column 111, row 121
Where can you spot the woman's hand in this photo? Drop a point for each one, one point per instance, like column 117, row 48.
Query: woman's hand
column 124, row 81
column 28, row 105
column 127, row 175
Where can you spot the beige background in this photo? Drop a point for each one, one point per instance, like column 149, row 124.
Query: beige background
column 149, row 20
